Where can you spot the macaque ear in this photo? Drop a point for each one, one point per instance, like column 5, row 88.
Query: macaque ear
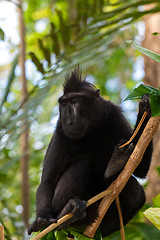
column 97, row 92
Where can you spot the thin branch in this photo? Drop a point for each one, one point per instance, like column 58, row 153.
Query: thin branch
column 68, row 216
column 52, row 226
column 137, row 129
column 117, row 186
column 120, row 218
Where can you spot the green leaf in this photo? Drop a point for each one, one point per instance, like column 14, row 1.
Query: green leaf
column 153, row 215
column 60, row 235
column 140, row 91
column 145, row 51
column 154, row 95
column 156, row 201
column 137, row 231
column 49, row 236
column 64, row 29
column 45, row 51
column 158, row 170
column 155, row 33
column 77, row 235
column 148, row 232
column 54, row 37
column 9, row 81
column 1, row 34
column 34, row 235
column 155, row 104
column 36, row 61
column 98, row 235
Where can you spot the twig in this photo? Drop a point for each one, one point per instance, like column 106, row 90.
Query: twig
column 52, row 226
column 118, row 185
column 68, row 216
column 137, row 129
column 120, row 218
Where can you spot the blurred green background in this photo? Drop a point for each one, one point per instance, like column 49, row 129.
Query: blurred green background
column 58, row 36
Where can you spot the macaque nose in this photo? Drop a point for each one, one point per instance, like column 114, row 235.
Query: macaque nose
column 69, row 115
column 69, row 121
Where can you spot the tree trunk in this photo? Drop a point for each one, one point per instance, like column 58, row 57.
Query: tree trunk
column 2, row 233
column 24, row 140
column 72, row 11
column 152, row 78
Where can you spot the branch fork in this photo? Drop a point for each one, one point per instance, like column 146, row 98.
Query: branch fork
column 117, row 186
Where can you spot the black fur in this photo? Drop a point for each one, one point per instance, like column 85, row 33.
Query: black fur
column 75, row 83
column 75, row 166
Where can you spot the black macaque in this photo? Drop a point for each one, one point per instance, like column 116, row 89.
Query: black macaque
column 83, row 158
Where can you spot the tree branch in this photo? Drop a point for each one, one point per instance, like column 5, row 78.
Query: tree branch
column 24, row 138
column 120, row 218
column 68, row 216
column 117, row 186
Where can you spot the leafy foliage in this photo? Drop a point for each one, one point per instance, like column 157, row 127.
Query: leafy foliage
column 153, row 213
column 91, row 39
column 95, row 37
column 154, row 95
column 10, row 80
column 137, row 230
column 64, row 234
column 156, row 201
column 143, row 89
column 147, row 52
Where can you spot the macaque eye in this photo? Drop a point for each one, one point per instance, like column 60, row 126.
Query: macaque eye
column 73, row 100
column 63, row 103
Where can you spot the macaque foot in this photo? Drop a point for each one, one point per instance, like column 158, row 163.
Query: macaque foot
column 40, row 223
column 119, row 158
column 75, row 206
column 144, row 105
